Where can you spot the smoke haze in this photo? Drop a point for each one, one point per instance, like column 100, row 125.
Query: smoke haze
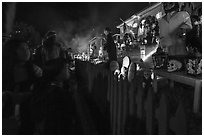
column 10, row 16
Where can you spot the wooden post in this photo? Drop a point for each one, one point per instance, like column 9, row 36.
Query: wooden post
column 90, row 77
column 155, row 83
column 125, row 105
column 139, row 102
column 149, row 112
column 197, row 96
column 109, row 88
column 115, row 106
column 120, row 83
column 178, row 124
column 111, row 99
column 131, row 99
column 161, row 114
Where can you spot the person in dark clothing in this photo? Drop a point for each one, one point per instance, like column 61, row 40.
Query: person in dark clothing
column 110, row 45
column 18, row 79
column 53, row 107
column 51, row 49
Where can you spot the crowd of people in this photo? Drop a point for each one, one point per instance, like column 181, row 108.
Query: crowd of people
column 36, row 89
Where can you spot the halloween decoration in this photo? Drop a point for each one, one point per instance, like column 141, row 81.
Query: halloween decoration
column 194, row 66
column 131, row 71
column 147, row 80
column 159, row 59
column 148, row 30
column 124, row 68
column 174, row 65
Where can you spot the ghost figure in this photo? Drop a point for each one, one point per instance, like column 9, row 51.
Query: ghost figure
column 174, row 65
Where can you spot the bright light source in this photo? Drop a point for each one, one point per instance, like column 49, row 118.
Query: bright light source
column 150, row 54
column 135, row 16
column 135, row 25
column 159, row 15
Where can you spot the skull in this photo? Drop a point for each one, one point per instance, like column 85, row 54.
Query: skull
column 147, row 74
column 174, row 65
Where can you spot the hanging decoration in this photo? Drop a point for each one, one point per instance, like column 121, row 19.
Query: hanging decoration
column 148, row 30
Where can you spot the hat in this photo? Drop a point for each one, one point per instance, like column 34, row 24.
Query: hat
column 50, row 34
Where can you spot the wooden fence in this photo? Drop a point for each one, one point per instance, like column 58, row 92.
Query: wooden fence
column 134, row 109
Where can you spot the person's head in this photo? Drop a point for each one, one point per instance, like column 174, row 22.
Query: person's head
column 107, row 31
column 17, row 51
column 50, row 38
column 56, row 70
column 170, row 6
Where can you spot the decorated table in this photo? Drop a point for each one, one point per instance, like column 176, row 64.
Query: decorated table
column 182, row 77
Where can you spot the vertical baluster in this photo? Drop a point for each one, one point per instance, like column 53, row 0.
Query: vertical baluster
column 115, row 106
column 125, row 106
column 178, row 124
column 131, row 98
column 139, row 102
column 111, row 98
column 161, row 115
column 149, row 109
column 120, row 83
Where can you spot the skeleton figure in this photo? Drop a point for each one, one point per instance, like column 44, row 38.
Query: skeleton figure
column 174, row 65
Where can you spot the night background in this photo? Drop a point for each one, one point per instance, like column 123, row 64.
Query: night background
column 78, row 17
column 75, row 23
column 65, row 73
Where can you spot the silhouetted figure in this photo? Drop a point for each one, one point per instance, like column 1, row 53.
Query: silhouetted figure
column 110, row 45
column 19, row 77
column 51, row 49
column 53, row 106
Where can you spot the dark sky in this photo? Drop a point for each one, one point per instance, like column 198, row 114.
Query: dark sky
column 80, row 15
